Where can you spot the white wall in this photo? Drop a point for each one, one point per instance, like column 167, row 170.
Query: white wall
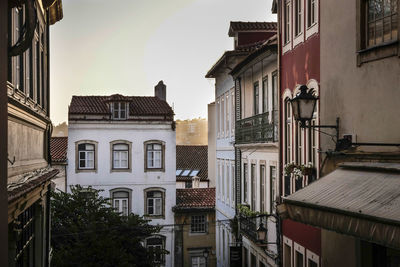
column 136, row 180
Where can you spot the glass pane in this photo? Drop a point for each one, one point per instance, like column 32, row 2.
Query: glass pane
column 90, row 155
column 150, row 159
column 121, row 194
column 394, row 27
column 123, row 114
column 125, row 207
column 371, row 37
column 150, row 206
column 386, row 29
column 386, row 7
column 157, row 194
column 158, row 206
column 124, row 155
column 378, row 9
column 178, row 172
column 82, row 155
column 116, row 156
column 89, row 147
column 378, row 31
column 116, row 204
column 116, row 163
column 194, row 173
column 81, row 147
column 394, row 6
column 120, row 147
column 124, row 164
column 157, row 147
column 185, row 173
column 90, row 164
column 82, row 163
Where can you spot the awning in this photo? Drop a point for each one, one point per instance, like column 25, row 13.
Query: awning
column 359, row 199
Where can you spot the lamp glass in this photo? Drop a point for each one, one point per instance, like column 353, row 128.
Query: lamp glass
column 261, row 233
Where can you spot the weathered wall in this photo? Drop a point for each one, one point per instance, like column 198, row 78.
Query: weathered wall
column 365, row 98
column 60, row 179
column 338, row 250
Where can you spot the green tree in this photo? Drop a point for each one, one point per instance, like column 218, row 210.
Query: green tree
column 86, row 231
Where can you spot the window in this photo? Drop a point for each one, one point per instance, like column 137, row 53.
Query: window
column 120, row 156
column 154, row 156
column 256, row 99
column 300, row 144
column 262, row 188
column 222, row 116
column 381, row 22
column 298, row 19
column 185, row 173
column 245, row 176
column 233, row 182
column 194, row 173
column 25, row 231
column 198, row 261
column 154, row 202
column 233, row 111
column 311, row 13
column 287, row 252
column 178, row 172
column 275, row 96
column 286, row 18
column 198, row 224
column 119, row 110
column 265, row 95
column 228, row 182
column 227, row 115
column 288, row 131
column 155, row 246
column 312, row 259
column 188, row 184
column 223, row 179
column 273, row 188
column 299, row 260
column 120, row 201
column 86, row 153
column 218, row 117
column 253, row 187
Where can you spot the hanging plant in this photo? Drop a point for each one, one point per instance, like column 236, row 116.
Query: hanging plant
column 299, row 170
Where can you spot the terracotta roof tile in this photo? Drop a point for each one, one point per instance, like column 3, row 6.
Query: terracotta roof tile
column 58, row 149
column 192, row 158
column 239, row 26
column 138, row 105
column 195, row 198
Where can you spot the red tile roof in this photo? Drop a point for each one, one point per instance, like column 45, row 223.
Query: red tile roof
column 240, row 26
column 192, row 158
column 203, row 198
column 138, row 105
column 58, row 149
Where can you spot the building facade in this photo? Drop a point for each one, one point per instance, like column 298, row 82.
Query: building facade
column 58, row 153
column 299, row 64
column 360, row 86
column 247, row 36
column 126, row 147
column 257, row 138
column 195, row 227
column 29, row 129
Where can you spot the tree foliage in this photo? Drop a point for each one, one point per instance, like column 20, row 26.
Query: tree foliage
column 86, row 231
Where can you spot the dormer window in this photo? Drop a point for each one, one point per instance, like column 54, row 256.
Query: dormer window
column 119, row 110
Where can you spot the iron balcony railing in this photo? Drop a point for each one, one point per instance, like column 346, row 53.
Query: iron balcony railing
column 249, row 225
column 257, row 129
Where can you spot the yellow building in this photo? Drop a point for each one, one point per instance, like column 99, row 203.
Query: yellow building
column 195, row 227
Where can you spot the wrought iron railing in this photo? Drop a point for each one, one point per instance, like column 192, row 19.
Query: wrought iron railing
column 249, row 225
column 257, row 129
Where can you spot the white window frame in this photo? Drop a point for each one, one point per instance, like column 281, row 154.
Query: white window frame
column 232, row 167
column 311, row 256
column 244, row 181
column 229, row 182
column 298, row 248
column 223, row 180
column 222, row 115
column 151, row 160
column 233, row 110
column 311, row 30
column 119, row 107
column 287, row 29
column 86, row 159
column 155, row 200
column 227, row 115
column 218, row 104
column 200, row 261
column 121, row 208
column 272, row 188
column 263, row 187
column 117, row 156
column 299, row 38
column 289, row 243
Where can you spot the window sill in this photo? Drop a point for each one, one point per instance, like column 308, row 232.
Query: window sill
column 154, row 170
column 152, row 217
column 121, row 170
column 377, row 52
column 197, row 233
column 85, row 170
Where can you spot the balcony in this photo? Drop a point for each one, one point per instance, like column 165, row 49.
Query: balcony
column 257, row 129
column 249, row 225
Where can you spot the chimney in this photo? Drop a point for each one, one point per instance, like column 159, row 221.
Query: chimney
column 160, row 90
column 195, row 182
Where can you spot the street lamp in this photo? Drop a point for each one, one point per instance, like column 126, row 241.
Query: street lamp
column 261, row 233
column 303, row 105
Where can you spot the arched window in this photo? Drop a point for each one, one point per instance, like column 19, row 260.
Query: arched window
column 121, row 200
column 86, row 155
column 154, row 155
column 154, row 202
column 155, row 246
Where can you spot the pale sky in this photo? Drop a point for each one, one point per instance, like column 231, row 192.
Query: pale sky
column 103, row 47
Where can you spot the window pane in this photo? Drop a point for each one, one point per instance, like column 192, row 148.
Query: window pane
column 150, row 159
column 378, row 31
column 150, row 206
column 116, row 204
column 185, row 173
column 90, row 164
column 157, row 147
column 194, row 172
column 120, row 147
column 81, row 147
column 89, row 147
column 394, row 6
column 371, row 37
column 125, row 207
column 157, row 194
column 394, row 27
column 81, row 163
column 178, row 172
column 158, row 207
column 116, row 163
column 82, row 155
column 123, row 114
column 90, row 155
column 386, row 29
column 387, row 7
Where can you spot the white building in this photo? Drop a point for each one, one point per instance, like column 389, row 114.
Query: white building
column 257, row 139
column 247, row 37
column 126, row 147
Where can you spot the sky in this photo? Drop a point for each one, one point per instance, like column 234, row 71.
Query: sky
column 103, row 47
